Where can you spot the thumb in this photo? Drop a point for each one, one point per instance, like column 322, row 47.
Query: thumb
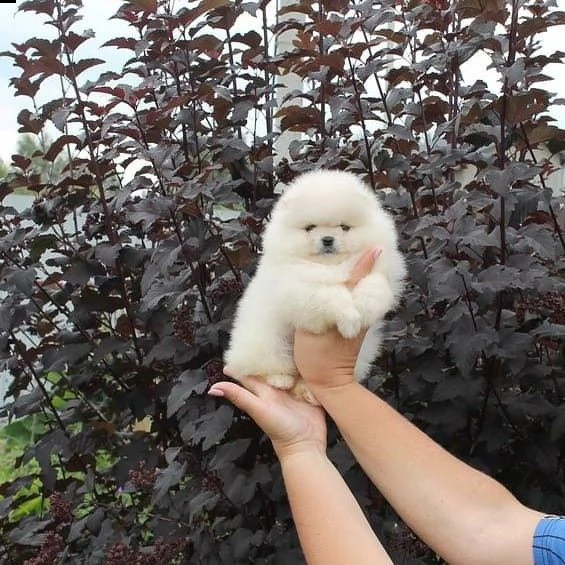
column 363, row 267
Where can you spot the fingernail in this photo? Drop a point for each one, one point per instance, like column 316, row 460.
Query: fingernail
column 377, row 252
column 215, row 391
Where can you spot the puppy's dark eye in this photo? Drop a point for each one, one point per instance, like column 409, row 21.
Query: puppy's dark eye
column 345, row 227
column 309, row 227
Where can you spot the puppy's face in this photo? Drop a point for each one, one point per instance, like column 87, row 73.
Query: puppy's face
column 328, row 239
column 326, row 218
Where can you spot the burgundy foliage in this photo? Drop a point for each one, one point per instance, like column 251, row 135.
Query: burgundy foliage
column 118, row 288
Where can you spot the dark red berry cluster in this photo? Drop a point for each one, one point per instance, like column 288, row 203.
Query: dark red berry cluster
column 144, row 477
column 61, row 509
column 183, row 326
column 53, row 541
column 119, row 554
column 215, row 371
column 211, row 482
column 554, row 302
column 550, row 304
column 49, row 551
column 225, row 287
column 166, row 368
column 162, row 553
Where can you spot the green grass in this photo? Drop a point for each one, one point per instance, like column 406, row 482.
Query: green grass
column 14, row 439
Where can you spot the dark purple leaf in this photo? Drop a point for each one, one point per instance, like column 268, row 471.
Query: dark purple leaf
column 190, row 381
column 168, row 478
column 30, row 403
column 210, row 428
column 229, row 452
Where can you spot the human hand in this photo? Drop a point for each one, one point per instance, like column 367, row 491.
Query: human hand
column 292, row 425
column 363, row 267
column 328, row 360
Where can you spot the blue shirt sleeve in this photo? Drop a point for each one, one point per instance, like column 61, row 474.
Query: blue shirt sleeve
column 549, row 541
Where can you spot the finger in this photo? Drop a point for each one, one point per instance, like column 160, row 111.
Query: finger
column 240, row 397
column 259, row 387
column 256, row 385
column 364, row 266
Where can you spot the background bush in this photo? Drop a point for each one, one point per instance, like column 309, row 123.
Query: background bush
column 118, row 288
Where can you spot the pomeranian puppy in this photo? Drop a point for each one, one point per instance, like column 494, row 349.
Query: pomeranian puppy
column 318, row 230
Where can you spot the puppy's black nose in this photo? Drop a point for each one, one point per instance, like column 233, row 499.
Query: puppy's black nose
column 327, row 241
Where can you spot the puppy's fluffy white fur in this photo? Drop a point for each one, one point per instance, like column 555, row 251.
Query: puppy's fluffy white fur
column 319, row 228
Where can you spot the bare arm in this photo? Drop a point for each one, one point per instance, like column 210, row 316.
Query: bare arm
column 465, row 516
column 331, row 526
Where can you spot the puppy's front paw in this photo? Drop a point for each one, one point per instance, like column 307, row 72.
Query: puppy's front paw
column 284, row 382
column 349, row 323
column 373, row 298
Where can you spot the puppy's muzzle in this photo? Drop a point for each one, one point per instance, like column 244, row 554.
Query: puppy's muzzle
column 328, row 244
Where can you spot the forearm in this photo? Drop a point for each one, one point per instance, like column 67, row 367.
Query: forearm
column 331, row 526
column 459, row 512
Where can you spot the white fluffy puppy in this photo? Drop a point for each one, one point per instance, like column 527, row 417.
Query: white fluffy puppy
column 319, row 229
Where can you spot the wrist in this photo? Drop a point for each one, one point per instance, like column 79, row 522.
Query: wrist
column 332, row 384
column 286, row 451
column 309, row 459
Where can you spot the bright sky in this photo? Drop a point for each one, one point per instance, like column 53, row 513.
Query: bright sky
column 17, row 28
column 96, row 14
